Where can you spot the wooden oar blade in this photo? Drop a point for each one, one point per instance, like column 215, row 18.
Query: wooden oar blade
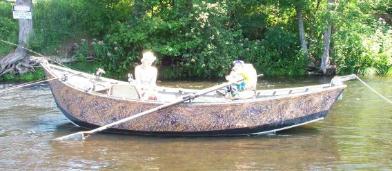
column 79, row 136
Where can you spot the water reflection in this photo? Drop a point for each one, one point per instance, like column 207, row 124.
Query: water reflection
column 361, row 125
column 298, row 148
column 355, row 135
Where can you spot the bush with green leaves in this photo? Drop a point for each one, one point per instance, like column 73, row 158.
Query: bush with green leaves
column 8, row 27
column 362, row 42
column 59, row 21
column 198, row 43
column 197, row 39
column 194, row 45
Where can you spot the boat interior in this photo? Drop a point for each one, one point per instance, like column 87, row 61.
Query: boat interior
column 127, row 91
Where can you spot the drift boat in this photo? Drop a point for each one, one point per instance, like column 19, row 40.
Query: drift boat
column 90, row 102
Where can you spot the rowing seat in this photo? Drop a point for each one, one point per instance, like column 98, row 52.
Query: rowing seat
column 124, row 92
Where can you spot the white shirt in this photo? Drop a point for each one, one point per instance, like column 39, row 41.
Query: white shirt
column 146, row 76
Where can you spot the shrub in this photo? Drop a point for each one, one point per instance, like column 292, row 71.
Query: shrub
column 8, row 29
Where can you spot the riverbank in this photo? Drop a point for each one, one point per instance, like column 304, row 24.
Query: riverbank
column 39, row 73
column 91, row 67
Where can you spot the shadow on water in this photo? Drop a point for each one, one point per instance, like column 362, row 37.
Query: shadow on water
column 287, row 150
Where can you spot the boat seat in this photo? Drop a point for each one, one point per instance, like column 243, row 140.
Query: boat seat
column 124, row 91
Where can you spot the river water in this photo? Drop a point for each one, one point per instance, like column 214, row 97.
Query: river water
column 356, row 135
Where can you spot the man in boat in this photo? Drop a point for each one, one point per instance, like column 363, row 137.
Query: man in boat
column 245, row 88
column 146, row 77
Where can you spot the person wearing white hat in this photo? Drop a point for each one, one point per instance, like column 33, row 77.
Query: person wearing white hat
column 146, row 76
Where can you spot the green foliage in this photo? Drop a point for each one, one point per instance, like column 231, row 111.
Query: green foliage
column 56, row 21
column 89, row 67
column 38, row 74
column 389, row 73
column 200, row 43
column 195, row 44
column 82, row 52
column 8, row 27
column 196, row 39
column 362, row 43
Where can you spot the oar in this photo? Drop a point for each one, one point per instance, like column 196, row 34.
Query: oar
column 82, row 135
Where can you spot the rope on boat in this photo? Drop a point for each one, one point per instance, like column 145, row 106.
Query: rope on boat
column 26, row 84
column 41, row 55
column 373, row 90
column 10, row 43
column 42, row 81
column 31, row 83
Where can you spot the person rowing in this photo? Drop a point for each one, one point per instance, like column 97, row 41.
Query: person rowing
column 247, row 87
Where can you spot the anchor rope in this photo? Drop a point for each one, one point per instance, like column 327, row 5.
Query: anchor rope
column 10, row 43
column 373, row 90
column 31, row 83
column 41, row 81
column 41, row 55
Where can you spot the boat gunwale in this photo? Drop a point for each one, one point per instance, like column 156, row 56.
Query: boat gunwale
column 313, row 88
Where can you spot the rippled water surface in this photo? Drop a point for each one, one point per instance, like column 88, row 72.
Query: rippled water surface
column 357, row 134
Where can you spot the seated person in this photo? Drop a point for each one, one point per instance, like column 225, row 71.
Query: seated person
column 246, row 87
column 146, row 77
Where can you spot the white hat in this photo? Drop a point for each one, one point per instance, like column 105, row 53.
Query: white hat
column 148, row 56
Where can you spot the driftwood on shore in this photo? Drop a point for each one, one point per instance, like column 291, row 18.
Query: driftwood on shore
column 18, row 61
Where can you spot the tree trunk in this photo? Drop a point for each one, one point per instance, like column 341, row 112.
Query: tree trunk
column 326, row 42
column 326, row 47
column 18, row 61
column 301, row 31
